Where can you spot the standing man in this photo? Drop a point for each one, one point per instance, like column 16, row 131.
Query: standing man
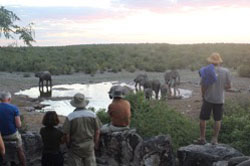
column 9, row 122
column 214, row 80
column 82, row 131
column 119, row 111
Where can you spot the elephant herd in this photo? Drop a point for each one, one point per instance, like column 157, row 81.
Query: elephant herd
column 153, row 87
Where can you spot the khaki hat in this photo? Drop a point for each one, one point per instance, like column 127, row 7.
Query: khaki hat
column 118, row 92
column 215, row 58
column 79, row 101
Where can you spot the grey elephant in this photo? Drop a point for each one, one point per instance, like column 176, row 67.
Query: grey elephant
column 44, row 76
column 148, row 93
column 139, row 81
column 172, row 79
column 155, row 85
column 164, row 91
column 125, row 90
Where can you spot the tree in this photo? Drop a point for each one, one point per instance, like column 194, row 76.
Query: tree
column 9, row 29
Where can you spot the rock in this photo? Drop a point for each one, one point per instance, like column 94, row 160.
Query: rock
column 237, row 160
column 205, row 155
column 221, row 163
column 127, row 148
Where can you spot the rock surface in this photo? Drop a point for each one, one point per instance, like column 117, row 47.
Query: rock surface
column 125, row 148
column 206, row 155
column 129, row 149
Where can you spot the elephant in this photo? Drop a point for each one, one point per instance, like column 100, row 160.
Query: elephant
column 152, row 84
column 148, row 93
column 139, row 81
column 44, row 76
column 126, row 90
column 164, row 91
column 172, row 79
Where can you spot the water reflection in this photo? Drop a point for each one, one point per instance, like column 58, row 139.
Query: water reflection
column 97, row 94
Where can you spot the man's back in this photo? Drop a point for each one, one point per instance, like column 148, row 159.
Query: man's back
column 81, row 125
column 215, row 92
column 119, row 111
column 8, row 112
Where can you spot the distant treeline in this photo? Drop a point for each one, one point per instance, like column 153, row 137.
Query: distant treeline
column 116, row 57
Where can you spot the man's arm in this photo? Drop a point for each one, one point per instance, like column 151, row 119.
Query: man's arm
column 2, row 148
column 203, row 90
column 18, row 121
column 96, row 139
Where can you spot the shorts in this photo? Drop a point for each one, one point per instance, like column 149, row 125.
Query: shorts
column 207, row 108
column 14, row 137
column 74, row 160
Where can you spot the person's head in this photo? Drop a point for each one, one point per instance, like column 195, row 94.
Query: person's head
column 118, row 93
column 5, row 96
column 215, row 59
column 50, row 119
column 79, row 101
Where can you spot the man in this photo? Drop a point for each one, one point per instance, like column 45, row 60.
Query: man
column 119, row 112
column 82, row 131
column 214, row 80
column 9, row 122
column 2, row 149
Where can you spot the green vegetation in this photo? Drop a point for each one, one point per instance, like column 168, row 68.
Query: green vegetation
column 236, row 124
column 9, row 29
column 116, row 57
column 151, row 118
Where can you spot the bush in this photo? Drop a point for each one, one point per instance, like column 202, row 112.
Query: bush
column 235, row 129
column 244, row 70
column 155, row 117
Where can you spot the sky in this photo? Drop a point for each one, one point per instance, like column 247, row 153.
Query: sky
column 74, row 22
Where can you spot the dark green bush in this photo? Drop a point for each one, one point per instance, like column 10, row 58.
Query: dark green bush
column 235, row 129
column 244, row 70
column 151, row 118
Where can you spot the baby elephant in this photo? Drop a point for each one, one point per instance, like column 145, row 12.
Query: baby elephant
column 148, row 92
column 164, row 91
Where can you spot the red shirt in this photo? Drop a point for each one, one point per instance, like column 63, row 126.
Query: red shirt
column 119, row 111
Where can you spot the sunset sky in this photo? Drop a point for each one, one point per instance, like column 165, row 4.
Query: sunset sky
column 69, row 22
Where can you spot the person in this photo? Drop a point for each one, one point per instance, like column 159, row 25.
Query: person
column 119, row 111
column 2, row 149
column 212, row 90
column 9, row 122
column 82, row 132
column 52, row 138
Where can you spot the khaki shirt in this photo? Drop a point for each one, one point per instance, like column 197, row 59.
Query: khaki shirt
column 81, row 126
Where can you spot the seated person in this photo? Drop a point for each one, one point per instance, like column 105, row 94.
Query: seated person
column 119, row 112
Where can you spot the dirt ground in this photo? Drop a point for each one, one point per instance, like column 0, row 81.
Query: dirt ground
column 190, row 107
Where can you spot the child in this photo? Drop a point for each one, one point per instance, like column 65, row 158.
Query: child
column 52, row 138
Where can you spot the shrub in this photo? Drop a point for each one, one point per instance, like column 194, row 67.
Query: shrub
column 235, row 129
column 244, row 70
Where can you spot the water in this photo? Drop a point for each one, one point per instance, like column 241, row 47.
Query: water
column 96, row 93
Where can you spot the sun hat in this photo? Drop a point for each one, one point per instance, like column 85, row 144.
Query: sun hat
column 118, row 92
column 215, row 58
column 79, row 101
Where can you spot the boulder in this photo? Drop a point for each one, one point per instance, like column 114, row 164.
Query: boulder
column 127, row 148
column 205, row 155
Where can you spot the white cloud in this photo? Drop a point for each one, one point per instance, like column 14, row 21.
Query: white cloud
column 53, row 3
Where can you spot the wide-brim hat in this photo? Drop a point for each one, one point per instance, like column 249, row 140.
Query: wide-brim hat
column 79, row 101
column 118, row 92
column 215, row 58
